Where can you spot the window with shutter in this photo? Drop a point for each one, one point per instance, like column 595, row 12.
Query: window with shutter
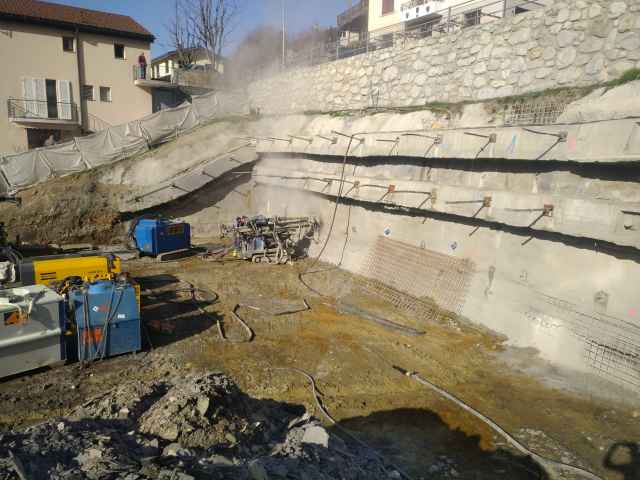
column 388, row 6
column 34, row 93
column 41, row 97
column 29, row 96
column 65, row 108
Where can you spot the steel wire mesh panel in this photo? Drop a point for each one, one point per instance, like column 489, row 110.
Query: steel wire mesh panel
column 614, row 360
column 534, row 112
column 611, row 345
column 421, row 282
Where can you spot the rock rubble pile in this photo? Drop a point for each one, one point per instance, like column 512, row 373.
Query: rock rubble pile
column 184, row 428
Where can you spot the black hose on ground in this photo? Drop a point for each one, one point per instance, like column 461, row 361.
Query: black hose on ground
column 322, row 408
column 194, row 291
column 551, row 467
column 383, row 322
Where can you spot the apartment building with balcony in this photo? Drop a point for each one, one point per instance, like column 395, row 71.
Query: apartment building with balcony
column 395, row 15
column 353, row 23
column 67, row 72
column 164, row 66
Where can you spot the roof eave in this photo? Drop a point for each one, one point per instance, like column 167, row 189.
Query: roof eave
column 73, row 26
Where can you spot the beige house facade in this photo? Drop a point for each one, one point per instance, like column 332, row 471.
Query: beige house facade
column 68, row 72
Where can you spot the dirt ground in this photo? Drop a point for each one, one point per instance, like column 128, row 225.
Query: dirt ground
column 71, row 209
column 352, row 360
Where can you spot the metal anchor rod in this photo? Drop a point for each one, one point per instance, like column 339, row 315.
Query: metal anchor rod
column 304, row 139
column 360, row 139
column 333, row 140
column 562, row 136
column 436, row 139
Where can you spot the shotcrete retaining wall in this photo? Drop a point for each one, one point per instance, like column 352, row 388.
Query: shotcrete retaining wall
column 572, row 43
column 546, row 218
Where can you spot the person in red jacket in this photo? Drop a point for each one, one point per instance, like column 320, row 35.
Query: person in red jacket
column 142, row 63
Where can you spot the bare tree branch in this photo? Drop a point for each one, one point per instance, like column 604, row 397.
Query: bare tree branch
column 211, row 21
column 184, row 39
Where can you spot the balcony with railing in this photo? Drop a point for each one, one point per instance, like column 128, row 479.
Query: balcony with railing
column 413, row 4
column 45, row 112
column 359, row 11
column 143, row 77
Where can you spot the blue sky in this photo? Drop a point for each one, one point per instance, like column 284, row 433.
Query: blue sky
column 154, row 15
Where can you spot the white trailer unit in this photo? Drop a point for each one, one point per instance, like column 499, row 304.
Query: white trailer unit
column 31, row 329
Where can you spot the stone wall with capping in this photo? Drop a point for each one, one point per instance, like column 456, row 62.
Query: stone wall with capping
column 572, row 43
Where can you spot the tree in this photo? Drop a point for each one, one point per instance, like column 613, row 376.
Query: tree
column 183, row 38
column 202, row 25
column 212, row 22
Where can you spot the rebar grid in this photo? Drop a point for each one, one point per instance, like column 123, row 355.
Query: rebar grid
column 613, row 361
column 536, row 112
column 611, row 345
column 421, row 282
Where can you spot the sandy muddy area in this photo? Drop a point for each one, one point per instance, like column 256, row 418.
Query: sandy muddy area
column 352, row 360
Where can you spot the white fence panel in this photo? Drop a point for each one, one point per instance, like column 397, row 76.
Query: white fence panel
column 24, row 169
column 163, row 126
column 63, row 158
column 206, row 105
column 109, row 146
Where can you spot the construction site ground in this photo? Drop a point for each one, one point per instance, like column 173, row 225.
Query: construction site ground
column 352, row 360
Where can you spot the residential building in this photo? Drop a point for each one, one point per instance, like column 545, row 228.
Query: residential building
column 175, row 85
column 164, row 66
column 68, row 71
column 353, row 23
column 384, row 14
column 394, row 15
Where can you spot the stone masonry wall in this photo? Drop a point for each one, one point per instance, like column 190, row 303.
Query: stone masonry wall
column 572, row 43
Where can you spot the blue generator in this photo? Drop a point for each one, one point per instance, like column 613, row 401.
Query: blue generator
column 107, row 319
column 158, row 236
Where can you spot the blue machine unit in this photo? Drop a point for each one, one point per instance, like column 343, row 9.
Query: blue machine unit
column 157, row 236
column 107, row 317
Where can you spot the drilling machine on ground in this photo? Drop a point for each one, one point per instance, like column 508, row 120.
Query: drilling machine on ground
column 275, row 240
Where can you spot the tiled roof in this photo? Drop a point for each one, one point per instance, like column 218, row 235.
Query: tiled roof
column 35, row 11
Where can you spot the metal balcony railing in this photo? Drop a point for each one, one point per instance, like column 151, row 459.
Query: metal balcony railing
column 146, row 73
column 141, row 72
column 358, row 10
column 29, row 109
column 412, row 4
column 96, row 124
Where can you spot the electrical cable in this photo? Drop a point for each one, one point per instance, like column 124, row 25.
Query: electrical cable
column 322, row 408
column 308, row 271
column 193, row 290
column 383, row 322
column 106, row 328
column 550, row 466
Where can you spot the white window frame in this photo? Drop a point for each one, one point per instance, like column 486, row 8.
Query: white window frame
column 34, row 94
column 108, row 90
column 65, row 100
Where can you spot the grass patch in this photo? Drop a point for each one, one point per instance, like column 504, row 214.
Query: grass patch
column 630, row 75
